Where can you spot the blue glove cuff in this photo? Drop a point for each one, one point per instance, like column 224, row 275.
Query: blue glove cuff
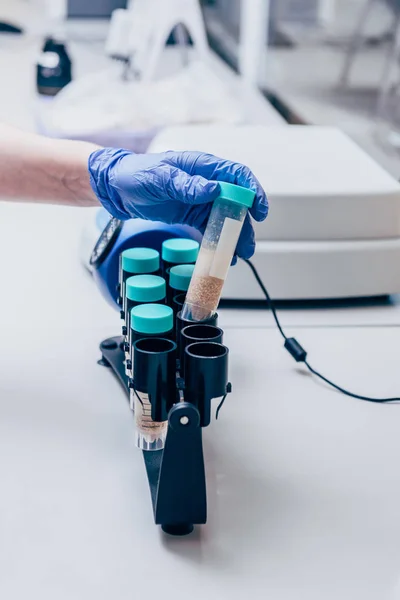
column 99, row 180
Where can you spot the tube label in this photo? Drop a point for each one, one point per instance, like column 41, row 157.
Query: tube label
column 225, row 248
column 150, row 435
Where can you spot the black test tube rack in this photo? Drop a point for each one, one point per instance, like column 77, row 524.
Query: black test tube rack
column 181, row 378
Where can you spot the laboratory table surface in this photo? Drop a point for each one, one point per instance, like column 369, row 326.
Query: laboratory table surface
column 303, row 483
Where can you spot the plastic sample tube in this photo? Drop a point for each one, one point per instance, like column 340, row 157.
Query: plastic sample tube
column 217, row 249
column 148, row 321
column 136, row 261
column 155, row 385
column 178, row 281
column 141, row 289
column 178, row 251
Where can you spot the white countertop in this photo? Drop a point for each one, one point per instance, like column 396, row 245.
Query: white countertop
column 303, row 502
column 303, row 499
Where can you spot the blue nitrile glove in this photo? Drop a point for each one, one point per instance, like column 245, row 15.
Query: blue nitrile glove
column 173, row 187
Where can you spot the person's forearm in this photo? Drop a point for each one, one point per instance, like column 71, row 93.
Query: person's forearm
column 39, row 169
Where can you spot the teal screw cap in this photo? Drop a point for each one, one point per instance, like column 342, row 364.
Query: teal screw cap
column 145, row 288
column 236, row 193
column 180, row 276
column 140, row 260
column 180, row 250
column 153, row 319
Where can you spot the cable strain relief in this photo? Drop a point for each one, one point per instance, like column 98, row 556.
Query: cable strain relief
column 295, row 349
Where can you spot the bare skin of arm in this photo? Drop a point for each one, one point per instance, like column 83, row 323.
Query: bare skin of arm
column 39, row 169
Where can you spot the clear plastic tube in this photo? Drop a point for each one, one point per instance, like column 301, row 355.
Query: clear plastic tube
column 217, row 249
column 149, row 434
column 154, row 390
column 148, row 323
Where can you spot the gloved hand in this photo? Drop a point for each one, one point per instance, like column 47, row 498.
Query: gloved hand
column 173, row 187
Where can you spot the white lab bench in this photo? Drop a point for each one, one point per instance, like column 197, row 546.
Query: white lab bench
column 303, row 483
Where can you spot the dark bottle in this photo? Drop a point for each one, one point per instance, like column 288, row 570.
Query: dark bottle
column 54, row 68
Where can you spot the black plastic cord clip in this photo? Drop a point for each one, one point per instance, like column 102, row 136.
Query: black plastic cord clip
column 295, row 349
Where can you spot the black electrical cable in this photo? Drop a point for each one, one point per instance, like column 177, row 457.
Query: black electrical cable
column 220, row 406
column 267, row 296
column 298, row 352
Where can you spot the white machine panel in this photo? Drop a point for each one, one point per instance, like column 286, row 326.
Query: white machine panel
column 321, row 185
column 334, row 224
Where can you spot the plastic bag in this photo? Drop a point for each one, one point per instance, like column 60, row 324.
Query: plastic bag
column 105, row 102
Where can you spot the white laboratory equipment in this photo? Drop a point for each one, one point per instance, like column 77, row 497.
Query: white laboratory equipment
column 140, row 32
column 334, row 225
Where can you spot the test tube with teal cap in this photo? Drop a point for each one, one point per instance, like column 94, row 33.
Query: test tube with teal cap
column 155, row 390
column 178, row 251
column 149, row 321
column 220, row 238
column 178, row 281
column 141, row 289
column 135, row 261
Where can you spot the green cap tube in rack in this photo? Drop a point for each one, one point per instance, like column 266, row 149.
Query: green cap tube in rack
column 180, row 276
column 136, row 261
column 178, row 280
column 140, row 289
column 140, row 261
column 149, row 320
column 217, row 249
column 178, row 251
